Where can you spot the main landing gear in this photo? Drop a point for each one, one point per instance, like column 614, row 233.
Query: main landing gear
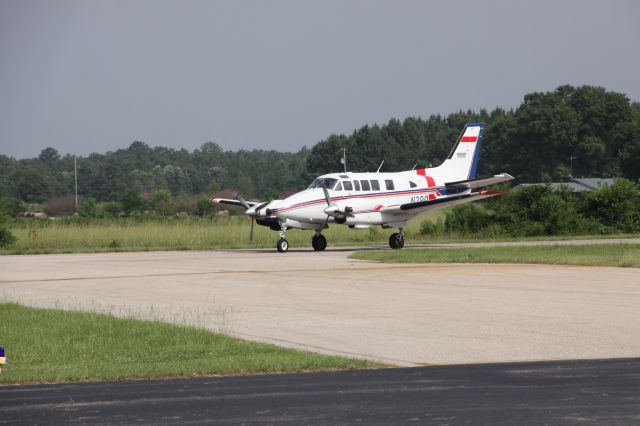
column 319, row 242
column 396, row 240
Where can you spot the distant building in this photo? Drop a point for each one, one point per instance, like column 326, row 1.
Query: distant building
column 575, row 185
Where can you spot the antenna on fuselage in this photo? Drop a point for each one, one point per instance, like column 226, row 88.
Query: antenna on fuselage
column 414, row 166
column 380, row 166
column 343, row 160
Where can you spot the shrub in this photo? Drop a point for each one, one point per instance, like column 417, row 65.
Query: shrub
column 467, row 218
column 204, row 207
column 11, row 206
column 131, row 203
column 617, row 206
column 557, row 214
column 89, row 208
column 160, row 202
column 111, row 209
column 6, row 237
column 429, row 228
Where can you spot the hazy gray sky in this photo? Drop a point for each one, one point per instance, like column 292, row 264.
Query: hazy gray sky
column 93, row 76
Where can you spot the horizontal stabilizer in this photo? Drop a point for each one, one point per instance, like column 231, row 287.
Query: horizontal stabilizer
column 479, row 182
column 440, row 203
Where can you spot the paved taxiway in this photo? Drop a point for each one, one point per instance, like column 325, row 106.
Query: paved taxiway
column 585, row 392
column 399, row 314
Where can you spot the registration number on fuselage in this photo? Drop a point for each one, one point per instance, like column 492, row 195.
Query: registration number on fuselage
column 417, row 198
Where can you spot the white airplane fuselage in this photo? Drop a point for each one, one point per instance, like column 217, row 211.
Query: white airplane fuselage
column 391, row 189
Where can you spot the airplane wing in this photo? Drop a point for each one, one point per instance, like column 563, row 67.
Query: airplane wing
column 439, row 203
column 234, row 202
column 479, row 182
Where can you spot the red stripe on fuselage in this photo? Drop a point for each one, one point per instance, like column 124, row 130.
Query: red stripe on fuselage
column 389, row 194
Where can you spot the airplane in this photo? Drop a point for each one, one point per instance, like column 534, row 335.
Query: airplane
column 389, row 200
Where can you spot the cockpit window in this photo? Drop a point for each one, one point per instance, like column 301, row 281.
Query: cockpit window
column 328, row 182
column 412, row 184
column 347, row 185
column 338, row 187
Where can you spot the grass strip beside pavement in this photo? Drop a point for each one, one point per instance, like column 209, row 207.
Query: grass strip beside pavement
column 49, row 345
column 624, row 255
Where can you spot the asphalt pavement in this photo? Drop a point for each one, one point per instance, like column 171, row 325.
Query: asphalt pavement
column 558, row 392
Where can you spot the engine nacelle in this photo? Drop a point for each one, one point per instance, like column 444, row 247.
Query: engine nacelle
column 261, row 210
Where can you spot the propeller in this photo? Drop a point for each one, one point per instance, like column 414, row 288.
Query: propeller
column 332, row 209
column 239, row 197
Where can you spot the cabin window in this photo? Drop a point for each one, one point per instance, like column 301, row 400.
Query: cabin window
column 365, row 185
column 356, row 184
column 412, row 184
column 389, row 184
column 375, row 185
column 347, row 185
column 338, row 187
column 318, row 183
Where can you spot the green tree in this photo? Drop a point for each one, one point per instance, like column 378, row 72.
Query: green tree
column 31, row 184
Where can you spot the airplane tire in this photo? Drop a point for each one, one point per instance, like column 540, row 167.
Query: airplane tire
column 283, row 245
column 319, row 242
column 396, row 241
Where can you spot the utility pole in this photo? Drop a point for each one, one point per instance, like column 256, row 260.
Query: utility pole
column 75, row 178
column 571, row 164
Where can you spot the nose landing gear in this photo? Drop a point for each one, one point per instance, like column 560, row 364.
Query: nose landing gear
column 283, row 244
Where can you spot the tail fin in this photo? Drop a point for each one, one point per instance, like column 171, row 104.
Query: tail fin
column 462, row 162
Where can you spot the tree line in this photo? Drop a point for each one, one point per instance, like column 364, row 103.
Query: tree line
column 600, row 129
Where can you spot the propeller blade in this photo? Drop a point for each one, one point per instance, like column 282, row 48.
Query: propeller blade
column 326, row 193
column 258, row 208
column 240, row 198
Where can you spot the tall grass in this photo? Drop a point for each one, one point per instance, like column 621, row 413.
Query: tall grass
column 48, row 236
column 193, row 233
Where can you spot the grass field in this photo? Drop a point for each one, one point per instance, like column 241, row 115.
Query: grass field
column 51, row 236
column 48, row 345
column 624, row 255
column 62, row 236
